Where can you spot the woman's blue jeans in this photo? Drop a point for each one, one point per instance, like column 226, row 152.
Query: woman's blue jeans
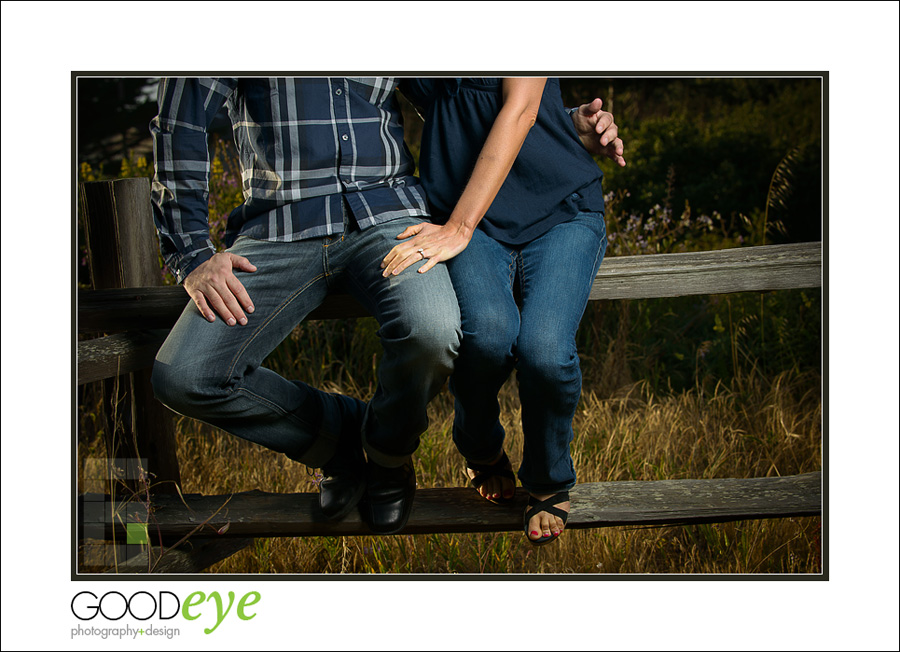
column 212, row 372
column 554, row 274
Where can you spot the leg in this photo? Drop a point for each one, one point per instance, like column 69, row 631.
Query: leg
column 483, row 277
column 419, row 329
column 557, row 271
column 418, row 317
column 212, row 372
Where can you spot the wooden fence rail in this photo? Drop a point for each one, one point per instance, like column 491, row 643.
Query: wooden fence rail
column 773, row 267
column 260, row 514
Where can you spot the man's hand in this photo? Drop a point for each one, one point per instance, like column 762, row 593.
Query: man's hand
column 425, row 240
column 213, row 285
column 598, row 131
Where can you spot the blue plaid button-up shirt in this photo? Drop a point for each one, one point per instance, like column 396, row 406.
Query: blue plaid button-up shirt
column 305, row 145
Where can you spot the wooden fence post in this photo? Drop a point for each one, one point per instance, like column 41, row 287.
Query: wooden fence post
column 123, row 252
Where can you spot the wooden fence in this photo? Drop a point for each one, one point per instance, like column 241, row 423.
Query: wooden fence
column 129, row 312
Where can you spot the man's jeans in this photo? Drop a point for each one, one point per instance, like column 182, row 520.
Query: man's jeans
column 212, row 372
column 554, row 273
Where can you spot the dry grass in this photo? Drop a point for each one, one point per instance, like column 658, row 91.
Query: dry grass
column 757, row 428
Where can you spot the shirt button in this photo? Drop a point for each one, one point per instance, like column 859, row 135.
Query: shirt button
column 345, row 137
column 338, row 92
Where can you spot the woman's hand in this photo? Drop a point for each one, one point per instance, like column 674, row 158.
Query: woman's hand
column 425, row 240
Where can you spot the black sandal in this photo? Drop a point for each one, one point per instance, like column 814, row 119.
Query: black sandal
column 536, row 506
column 501, row 468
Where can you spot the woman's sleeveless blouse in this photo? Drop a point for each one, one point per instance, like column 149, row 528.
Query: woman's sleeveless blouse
column 553, row 178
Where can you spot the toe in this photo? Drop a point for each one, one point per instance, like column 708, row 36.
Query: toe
column 495, row 488
column 546, row 523
column 546, row 527
column 557, row 525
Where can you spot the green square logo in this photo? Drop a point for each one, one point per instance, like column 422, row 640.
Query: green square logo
column 136, row 533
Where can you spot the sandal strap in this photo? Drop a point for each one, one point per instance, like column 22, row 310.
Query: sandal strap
column 488, row 471
column 536, row 506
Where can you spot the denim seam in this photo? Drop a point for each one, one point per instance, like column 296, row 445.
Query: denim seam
column 268, row 321
column 598, row 260
column 263, row 401
column 365, row 296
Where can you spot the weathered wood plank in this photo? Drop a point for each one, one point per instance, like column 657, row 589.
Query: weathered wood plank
column 747, row 269
column 123, row 250
column 195, row 556
column 115, row 355
column 628, row 277
column 601, row 504
column 110, row 311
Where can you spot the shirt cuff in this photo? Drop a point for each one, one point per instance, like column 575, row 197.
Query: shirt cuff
column 192, row 263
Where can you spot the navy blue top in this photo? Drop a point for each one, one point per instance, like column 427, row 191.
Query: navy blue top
column 552, row 179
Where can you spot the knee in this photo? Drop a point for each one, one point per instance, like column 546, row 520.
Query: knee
column 490, row 336
column 182, row 389
column 548, row 361
column 167, row 385
column 427, row 329
column 435, row 339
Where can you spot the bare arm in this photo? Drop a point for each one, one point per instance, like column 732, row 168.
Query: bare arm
column 521, row 101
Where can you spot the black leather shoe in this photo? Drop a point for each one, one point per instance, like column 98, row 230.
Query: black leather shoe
column 345, row 474
column 389, row 497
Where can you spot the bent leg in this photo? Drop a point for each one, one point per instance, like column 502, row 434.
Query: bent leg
column 211, row 371
column 418, row 317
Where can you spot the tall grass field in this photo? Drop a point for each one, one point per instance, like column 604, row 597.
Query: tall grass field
column 753, row 426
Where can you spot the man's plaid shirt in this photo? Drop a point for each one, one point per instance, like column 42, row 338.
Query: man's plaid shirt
column 305, row 144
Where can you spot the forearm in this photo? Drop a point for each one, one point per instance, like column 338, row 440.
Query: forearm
column 522, row 99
